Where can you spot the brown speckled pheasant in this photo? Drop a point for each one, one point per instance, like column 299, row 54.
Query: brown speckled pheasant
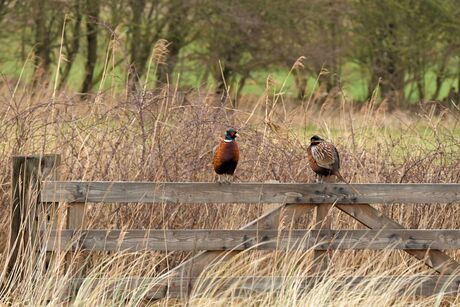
column 324, row 158
column 226, row 155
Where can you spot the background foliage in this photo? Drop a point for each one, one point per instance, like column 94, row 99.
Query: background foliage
column 407, row 48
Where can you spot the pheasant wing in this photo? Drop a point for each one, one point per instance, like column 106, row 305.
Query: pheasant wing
column 325, row 155
column 336, row 159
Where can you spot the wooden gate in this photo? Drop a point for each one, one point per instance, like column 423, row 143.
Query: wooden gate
column 267, row 232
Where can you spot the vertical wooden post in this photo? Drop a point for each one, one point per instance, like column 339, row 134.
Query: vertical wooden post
column 75, row 262
column 279, row 217
column 196, row 265
column 27, row 174
column 75, row 220
column 323, row 221
column 76, row 216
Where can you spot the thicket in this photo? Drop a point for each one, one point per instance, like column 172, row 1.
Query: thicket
column 409, row 49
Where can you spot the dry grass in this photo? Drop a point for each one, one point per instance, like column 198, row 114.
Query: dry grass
column 167, row 135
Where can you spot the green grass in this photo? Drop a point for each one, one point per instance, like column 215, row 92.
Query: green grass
column 191, row 73
column 408, row 134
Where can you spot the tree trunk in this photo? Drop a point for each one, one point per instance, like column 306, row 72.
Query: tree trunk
column 165, row 71
column 239, row 90
column 74, row 44
column 222, row 82
column 42, row 42
column 440, row 77
column 135, row 71
column 375, row 77
column 176, row 36
column 92, row 16
column 458, row 77
column 333, row 58
column 420, row 82
column 301, row 82
column 386, row 67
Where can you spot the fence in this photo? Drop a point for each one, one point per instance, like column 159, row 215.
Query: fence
column 266, row 232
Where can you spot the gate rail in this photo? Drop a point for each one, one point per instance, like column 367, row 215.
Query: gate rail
column 35, row 186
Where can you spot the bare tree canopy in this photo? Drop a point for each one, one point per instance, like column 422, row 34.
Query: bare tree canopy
column 406, row 49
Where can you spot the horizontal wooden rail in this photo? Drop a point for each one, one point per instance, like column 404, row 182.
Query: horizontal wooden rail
column 154, row 288
column 203, row 192
column 224, row 240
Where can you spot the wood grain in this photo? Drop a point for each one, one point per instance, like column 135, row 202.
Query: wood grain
column 276, row 218
column 27, row 216
column 374, row 219
column 203, row 192
column 75, row 222
column 323, row 222
column 227, row 240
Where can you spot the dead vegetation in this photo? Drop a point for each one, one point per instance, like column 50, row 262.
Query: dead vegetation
column 166, row 135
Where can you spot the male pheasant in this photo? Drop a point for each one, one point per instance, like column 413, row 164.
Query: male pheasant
column 324, row 158
column 226, row 155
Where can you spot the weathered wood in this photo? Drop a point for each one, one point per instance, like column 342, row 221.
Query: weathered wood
column 258, row 239
column 27, row 216
column 372, row 218
column 75, row 222
column 76, row 216
column 290, row 212
column 279, row 217
column 203, row 192
column 323, row 221
column 158, row 288
column 195, row 265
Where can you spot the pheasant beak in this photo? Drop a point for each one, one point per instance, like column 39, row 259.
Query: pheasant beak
column 237, row 135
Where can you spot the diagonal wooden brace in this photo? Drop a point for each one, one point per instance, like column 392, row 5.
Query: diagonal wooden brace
column 374, row 219
column 280, row 216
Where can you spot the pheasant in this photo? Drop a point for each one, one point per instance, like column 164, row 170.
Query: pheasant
column 226, row 155
column 324, row 158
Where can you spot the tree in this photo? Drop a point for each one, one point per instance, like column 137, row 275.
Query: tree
column 181, row 30
column 400, row 42
column 92, row 10
column 237, row 38
column 151, row 21
column 71, row 43
column 378, row 27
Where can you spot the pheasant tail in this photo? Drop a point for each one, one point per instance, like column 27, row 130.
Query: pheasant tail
column 340, row 177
